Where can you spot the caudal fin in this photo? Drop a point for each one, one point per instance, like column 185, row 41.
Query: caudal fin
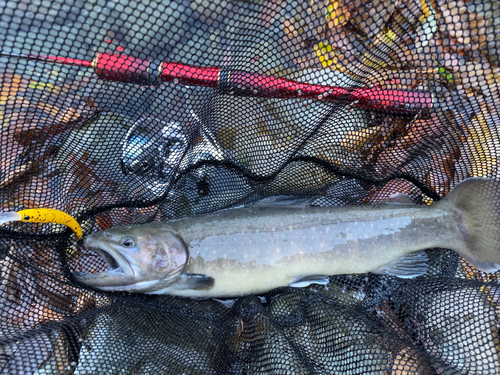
column 478, row 203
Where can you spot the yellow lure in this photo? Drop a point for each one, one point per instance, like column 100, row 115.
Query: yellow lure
column 49, row 215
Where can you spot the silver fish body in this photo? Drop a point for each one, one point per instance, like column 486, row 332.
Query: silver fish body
column 255, row 249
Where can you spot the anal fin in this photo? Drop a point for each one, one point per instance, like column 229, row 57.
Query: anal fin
column 407, row 267
column 303, row 281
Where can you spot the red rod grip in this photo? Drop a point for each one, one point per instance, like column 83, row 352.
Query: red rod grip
column 389, row 100
column 385, row 100
column 127, row 69
column 189, row 75
column 121, row 68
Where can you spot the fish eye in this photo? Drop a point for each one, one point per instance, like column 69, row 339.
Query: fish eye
column 127, row 242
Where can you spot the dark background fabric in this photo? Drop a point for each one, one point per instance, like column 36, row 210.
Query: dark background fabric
column 112, row 153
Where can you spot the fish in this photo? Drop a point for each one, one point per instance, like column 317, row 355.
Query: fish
column 255, row 249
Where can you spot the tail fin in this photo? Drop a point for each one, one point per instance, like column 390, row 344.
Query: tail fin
column 478, row 202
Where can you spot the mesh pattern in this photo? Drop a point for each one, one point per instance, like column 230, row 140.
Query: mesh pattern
column 341, row 102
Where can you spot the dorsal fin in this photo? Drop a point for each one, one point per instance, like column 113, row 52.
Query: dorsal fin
column 399, row 198
column 282, row 200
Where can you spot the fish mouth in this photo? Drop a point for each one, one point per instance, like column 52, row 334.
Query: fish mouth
column 119, row 271
column 108, row 258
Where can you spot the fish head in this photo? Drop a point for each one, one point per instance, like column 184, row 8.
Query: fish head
column 140, row 258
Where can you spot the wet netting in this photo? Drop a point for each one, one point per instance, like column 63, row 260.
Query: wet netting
column 127, row 112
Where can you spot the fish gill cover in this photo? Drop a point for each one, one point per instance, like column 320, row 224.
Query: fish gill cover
column 126, row 112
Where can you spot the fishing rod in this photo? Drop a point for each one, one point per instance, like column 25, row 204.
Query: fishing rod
column 128, row 69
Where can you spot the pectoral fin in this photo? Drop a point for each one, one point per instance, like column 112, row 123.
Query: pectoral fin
column 303, row 281
column 195, row 281
column 408, row 267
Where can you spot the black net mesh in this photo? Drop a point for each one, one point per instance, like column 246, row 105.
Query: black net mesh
column 341, row 102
